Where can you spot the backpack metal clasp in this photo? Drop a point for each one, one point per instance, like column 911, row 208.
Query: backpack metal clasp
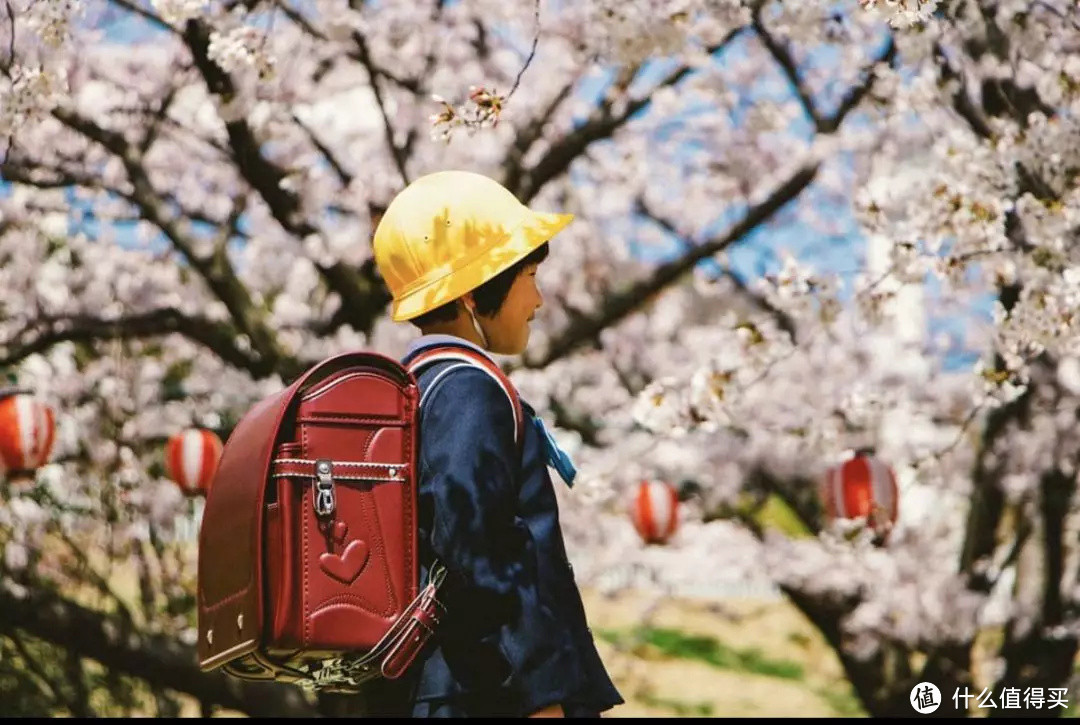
column 323, row 492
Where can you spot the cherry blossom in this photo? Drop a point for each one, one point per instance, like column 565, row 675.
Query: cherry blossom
column 802, row 229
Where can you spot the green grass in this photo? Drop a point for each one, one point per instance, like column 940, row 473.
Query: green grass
column 673, row 643
column 800, row 639
column 777, row 515
column 682, row 709
column 844, row 703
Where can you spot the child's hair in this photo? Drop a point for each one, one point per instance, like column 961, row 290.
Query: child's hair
column 489, row 296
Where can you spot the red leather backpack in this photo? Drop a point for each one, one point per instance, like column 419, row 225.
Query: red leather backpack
column 308, row 566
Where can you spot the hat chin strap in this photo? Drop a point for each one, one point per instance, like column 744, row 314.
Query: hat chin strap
column 476, row 326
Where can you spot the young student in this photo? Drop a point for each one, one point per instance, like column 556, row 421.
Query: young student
column 459, row 254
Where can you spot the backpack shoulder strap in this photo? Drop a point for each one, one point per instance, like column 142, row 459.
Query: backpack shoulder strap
column 470, row 358
column 463, row 357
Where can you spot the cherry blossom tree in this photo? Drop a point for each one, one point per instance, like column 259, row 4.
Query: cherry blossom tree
column 190, row 189
column 965, row 182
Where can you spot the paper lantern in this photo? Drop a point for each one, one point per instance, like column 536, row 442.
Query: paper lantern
column 27, row 433
column 863, row 487
column 654, row 509
column 191, row 459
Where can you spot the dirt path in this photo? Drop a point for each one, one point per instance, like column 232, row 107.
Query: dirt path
column 772, row 662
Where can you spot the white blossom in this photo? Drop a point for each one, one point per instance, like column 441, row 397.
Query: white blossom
column 177, row 12
column 241, row 48
column 756, row 336
column 902, row 13
column 32, row 93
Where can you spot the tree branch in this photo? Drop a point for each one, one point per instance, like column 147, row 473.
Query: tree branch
column 882, row 681
column 799, row 494
column 783, row 319
column 961, row 101
column 582, row 424
column 299, row 20
column 620, row 305
column 218, row 337
column 409, row 84
column 215, row 270
column 158, row 660
column 39, row 676
column 532, row 53
column 1036, row 655
column 601, row 124
column 344, row 176
column 22, row 171
column 530, row 133
column 856, row 93
column 988, row 496
column 157, row 120
column 365, row 59
column 145, row 15
column 363, row 295
column 782, row 55
column 263, row 175
column 76, row 678
column 413, row 84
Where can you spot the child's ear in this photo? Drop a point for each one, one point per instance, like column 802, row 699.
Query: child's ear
column 468, row 303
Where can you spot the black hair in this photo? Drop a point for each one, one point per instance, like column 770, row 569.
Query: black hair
column 489, row 296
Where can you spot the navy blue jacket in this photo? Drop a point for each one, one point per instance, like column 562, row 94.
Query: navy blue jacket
column 514, row 638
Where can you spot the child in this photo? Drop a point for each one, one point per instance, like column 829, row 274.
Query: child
column 459, row 254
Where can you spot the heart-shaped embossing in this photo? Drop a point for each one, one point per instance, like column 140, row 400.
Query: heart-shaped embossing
column 340, row 529
column 348, row 565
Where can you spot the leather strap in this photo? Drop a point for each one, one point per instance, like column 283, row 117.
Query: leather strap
column 411, row 633
column 415, row 627
column 343, row 470
column 475, row 359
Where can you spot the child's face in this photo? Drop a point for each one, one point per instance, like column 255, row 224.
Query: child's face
column 508, row 329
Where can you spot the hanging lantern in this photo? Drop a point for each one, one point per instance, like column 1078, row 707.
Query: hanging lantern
column 654, row 509
column 27, row 433
column 191, row 459
column 863, row 487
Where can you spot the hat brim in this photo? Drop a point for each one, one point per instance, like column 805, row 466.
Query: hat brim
column 529, row 236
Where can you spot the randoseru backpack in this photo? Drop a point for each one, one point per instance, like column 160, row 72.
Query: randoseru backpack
column 308, row 567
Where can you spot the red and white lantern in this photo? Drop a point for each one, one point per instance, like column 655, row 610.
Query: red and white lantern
column 27, row 433
column 863, row 487
column 191, row 459
column 654, row 509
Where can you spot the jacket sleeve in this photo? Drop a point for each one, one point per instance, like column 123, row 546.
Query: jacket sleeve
column 471, row 462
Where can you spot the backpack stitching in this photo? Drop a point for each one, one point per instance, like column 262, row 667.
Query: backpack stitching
column 304, row 539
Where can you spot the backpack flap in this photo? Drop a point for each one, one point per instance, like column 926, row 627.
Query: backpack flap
column 230, row 538
column 349, row 501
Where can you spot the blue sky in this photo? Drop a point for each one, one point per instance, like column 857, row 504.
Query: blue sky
column 757, row 254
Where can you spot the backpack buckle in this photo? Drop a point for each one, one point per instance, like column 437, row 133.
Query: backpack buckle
column 323, row 492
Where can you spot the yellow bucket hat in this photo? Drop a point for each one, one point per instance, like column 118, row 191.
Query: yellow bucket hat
column 449, row 232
